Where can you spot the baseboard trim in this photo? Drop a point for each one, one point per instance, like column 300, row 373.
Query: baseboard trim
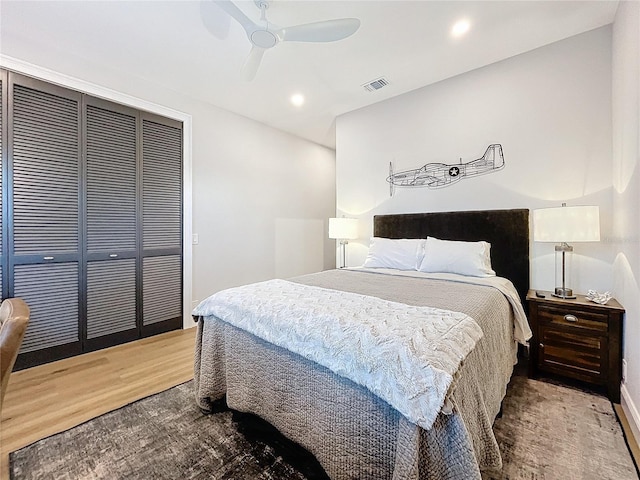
column 633, row 416
column 630, row 421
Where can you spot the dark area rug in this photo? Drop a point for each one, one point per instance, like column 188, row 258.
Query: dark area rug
column 549, row 431
column 546, row 432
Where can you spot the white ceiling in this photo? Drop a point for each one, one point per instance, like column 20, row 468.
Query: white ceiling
column 408, row 42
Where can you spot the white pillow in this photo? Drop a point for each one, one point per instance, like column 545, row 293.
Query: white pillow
column 401, row 254
column 464, row 258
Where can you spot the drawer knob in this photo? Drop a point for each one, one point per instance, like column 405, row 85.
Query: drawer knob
column 541, row 345
column 570, row 318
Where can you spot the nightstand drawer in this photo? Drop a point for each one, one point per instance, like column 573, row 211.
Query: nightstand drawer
column 572, row 353
column 572, row 317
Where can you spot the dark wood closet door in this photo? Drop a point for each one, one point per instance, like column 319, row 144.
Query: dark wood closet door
column 4, row 291
column 45, row 233
column 161, row 225
column 111, row 223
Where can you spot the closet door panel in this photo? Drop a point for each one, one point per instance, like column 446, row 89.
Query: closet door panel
column 2, row 164
column 162, row 185
column 3, row 188
column 162, row 288
column 44, row 236
column 51, row 291
column 111, row 180
column 111, row 154
column 45, row 167
column 161, row 225
column 111, row 297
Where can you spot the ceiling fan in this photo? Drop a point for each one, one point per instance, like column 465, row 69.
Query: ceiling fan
column 265, row 35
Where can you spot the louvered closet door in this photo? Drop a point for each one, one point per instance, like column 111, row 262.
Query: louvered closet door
column 161, row 225
column 44, row 168
column 111, row 225
column 3, row 168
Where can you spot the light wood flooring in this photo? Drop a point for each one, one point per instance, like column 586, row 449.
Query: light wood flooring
column 48, row 399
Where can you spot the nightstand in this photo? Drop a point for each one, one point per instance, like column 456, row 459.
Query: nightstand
column 578, row 339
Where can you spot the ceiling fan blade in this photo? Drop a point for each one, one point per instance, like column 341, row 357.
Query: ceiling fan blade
column 327, row 31
column 251, row 64
column 237, row 14
column 214, row 19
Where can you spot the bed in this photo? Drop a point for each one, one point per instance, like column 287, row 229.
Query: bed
column 357, row 431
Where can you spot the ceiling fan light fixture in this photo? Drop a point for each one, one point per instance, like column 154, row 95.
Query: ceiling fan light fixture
column 460, row 28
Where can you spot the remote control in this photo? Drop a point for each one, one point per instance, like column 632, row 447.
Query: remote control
column 540, row 294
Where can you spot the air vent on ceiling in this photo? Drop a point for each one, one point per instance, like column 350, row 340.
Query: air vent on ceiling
column 376, row 84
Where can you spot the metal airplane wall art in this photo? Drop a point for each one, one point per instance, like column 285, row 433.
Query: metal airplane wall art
column 439, row 175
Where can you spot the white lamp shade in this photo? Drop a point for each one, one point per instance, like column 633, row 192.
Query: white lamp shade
column 567, row 224
column 343, row 228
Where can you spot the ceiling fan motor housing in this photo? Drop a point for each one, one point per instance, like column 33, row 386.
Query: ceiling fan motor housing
column 263, row 38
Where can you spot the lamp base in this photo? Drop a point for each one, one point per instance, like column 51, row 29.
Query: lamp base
column 564, row 293
column 343, row 253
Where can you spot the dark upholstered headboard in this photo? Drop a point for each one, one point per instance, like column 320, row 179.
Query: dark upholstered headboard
column 506, row 230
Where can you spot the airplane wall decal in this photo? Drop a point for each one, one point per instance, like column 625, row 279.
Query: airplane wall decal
column 439, row 175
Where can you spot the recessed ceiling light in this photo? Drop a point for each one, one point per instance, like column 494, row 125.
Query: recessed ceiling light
column 297, row 99
column 460, row 28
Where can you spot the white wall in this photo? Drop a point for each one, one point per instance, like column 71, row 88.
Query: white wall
column 260, row 197
column 626, row 194
column 551, row 111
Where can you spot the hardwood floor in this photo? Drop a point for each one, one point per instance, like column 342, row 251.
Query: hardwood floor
column 48, row 399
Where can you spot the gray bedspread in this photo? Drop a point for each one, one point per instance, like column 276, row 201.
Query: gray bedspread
column 353, row 433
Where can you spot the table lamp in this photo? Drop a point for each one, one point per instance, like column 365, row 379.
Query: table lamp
column 566, row 225
column 343, row 229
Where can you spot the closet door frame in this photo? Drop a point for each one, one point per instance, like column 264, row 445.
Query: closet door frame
column 48, row 354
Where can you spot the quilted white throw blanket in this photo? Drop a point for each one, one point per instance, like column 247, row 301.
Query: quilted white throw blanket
column 406, row 355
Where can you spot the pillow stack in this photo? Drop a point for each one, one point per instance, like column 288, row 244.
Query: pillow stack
column 431, row 255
